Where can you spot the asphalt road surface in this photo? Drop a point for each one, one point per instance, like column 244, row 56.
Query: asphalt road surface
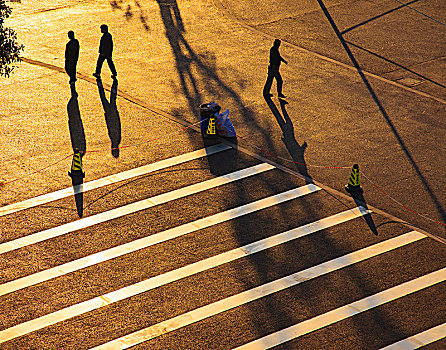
column 213, row 260
column 180, row 242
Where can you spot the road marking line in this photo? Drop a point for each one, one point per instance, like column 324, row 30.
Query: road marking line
column 346, row 311
column 260, row 292
column 174, row 275
column 421, row 339
column 133, row 207
column 126, row 175
column 145, row 242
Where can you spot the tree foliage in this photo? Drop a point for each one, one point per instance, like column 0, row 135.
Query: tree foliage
column 9, row 48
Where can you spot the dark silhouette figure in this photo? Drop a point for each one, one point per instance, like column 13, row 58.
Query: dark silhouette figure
column 71, row 57
column 112, row 118
column 79, row 146
column 273, row 71
column 295, row 150
column 75, row 125
column 105, row 53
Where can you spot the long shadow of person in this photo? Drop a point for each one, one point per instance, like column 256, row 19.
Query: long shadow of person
column 295, row 150
column 75, row 125
column 77, row 135
column 111, row 116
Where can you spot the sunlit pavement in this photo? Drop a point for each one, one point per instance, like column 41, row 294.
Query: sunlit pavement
column 174, row 56
column 170, row 245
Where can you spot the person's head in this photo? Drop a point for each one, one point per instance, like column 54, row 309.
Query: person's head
column 104, row 28
column 71, row 34
column 277, row 42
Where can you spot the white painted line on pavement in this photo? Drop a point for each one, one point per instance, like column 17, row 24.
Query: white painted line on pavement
column 145, row 242
column 132, row 208
column 260, row 292
column 126, row 175
column 174, row 275
column 421, row 339
column 346, row 311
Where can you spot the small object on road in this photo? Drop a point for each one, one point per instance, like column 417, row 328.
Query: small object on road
column 77, row 179
column 76, row 172
column 353, row 185
column 208, row 122
column 224, row 125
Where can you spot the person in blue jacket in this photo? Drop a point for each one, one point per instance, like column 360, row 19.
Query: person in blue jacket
column 105, row 53
column 273, row 71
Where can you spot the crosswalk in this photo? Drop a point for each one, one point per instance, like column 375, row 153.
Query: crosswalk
column 218, row 282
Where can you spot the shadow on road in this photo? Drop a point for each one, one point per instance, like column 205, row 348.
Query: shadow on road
column 197, row 76
column 377, row 17
column 78, row 143
column 128, row 7
column 295, row 150
column 77, row 133
column 396, row 64
column 360, row 201
column 380, row 318
column 384, row 113
column 111, row 116
column 220, row 164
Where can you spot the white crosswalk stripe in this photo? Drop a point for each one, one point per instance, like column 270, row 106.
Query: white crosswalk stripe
column 171, row 276
column 131, row 208
column 126, row 175
column 299, row 197
column 260, row 292
column 153, row 239
column 347, row 311
column 421, row 339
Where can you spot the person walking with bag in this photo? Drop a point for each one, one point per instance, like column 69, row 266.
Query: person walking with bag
column 105, row 53
column 273, row 71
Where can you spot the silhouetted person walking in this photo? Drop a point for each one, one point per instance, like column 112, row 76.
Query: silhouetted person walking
column 105, row 53
column 71, row 57
column 273, row 70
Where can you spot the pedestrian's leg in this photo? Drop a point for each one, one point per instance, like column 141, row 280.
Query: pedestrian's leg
column 71, row 71
column 99, row 65
column 112, row 66
column 268, row 83
column 73, row 76
column 279, row 81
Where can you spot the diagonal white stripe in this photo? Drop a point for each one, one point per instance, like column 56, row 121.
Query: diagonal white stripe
column 126, row 175
column 132, row 208
column 145, row 242
column 260, row 292
column 346, row 311
column 421, row 339
column 175, row 275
